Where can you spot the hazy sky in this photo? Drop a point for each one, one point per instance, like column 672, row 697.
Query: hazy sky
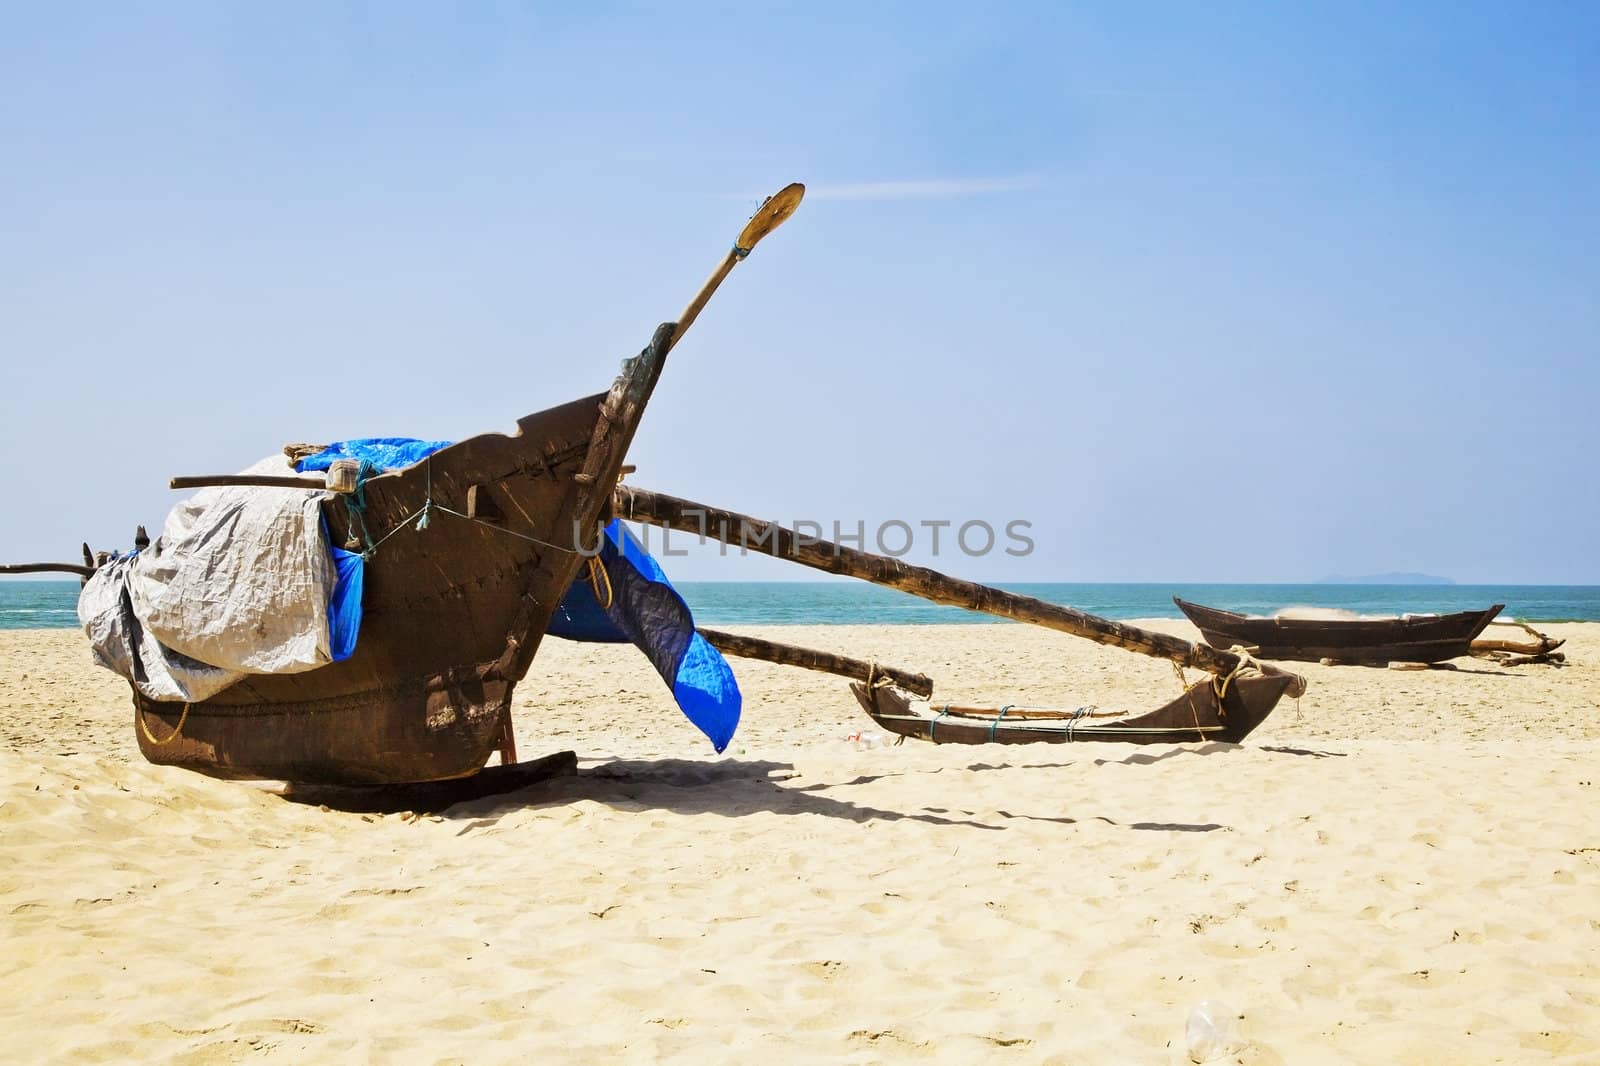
column 1205, row 292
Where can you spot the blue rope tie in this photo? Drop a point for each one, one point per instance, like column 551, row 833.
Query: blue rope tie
column 994, row 726
column 740, row 253
column 934, row 724
column 355, row 505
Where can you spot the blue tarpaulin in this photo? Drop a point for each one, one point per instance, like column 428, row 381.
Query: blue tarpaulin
column 644, row 608
column 383, row 453
column 375, row 454
column 344, row 606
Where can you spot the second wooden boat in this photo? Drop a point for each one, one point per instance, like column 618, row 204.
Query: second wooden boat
column 1362, row 641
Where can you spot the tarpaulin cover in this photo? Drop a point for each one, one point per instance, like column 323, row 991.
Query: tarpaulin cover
column 238, row 583
column 384, row 453
column 648, row 611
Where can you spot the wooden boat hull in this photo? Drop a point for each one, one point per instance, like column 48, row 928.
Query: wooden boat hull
column 1196, row 715
column 452, row 613
column 1425, row 639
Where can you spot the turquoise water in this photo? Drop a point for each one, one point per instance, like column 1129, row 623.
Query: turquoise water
column 52, row 604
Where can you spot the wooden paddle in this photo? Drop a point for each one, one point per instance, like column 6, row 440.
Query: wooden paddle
column 772, row 213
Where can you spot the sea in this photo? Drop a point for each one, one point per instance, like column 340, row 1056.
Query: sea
column 53, row 604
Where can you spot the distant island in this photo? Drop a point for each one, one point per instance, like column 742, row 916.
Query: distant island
column 1396, row 578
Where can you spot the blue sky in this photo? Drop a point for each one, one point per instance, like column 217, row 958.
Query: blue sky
column 1206, row 293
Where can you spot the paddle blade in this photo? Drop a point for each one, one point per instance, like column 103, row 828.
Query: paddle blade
column 771, row 214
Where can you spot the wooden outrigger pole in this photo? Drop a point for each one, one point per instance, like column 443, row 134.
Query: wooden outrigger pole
column 642, row 505
column 811, row 659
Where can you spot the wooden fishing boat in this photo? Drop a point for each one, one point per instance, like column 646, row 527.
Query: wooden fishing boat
column 1195, row 715
column 1364, row 641
column 487, row 537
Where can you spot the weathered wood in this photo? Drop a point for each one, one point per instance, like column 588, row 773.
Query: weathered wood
column 1022, row 714
column 1196, row 714
column 47, row 568
column 1547, row 658
column 772, row 213
column 1516, row 647
column 743, row 530
column 433, row 796
column 298, row 451
column 508, row 740
column 481, row 506
column 746, row 647
column 344, row 475
column 1539, row 645
column 1352, row 641
column 618, row 410
column 272, row 481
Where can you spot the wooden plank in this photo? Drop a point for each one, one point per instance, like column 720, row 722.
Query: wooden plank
column 825, row 662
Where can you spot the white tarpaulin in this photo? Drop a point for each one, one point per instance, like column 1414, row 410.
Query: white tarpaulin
column 238, row 583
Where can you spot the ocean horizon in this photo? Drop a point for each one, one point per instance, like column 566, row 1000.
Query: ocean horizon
column 53, row 604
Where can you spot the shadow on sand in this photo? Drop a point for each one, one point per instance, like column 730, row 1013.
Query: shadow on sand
column 730, row 788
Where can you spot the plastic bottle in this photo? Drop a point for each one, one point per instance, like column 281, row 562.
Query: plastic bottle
column 1212, row 1031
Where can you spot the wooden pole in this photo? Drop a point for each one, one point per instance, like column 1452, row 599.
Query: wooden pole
column 769, row 537
column 772, row 213
column 270, row 481
column 617, row 409
column 811, row 659
column 47, row 568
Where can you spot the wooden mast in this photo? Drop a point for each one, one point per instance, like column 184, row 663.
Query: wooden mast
column 734, row 528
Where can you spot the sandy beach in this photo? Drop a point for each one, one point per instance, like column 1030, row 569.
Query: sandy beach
column 1402, row 868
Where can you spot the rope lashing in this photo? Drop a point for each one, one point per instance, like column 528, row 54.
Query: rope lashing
column 933, row 725
column 994, row 726
column 355, row 506
column 740, row 253
column 1245, row 662
column 1188, row 694
column 144, row 727
column 1081, row 712
column 597, row 576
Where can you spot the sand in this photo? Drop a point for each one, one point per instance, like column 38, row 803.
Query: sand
column 1403, row 869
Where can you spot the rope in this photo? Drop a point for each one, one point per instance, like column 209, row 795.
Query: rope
column 597, row 574
column 151, row 737
column 1244, row 662
column 356, row 504
column 934, row 724
column 994, row 726
column 355, row 507
column 740, row 253
column 1188, row 693
column 1073, row 721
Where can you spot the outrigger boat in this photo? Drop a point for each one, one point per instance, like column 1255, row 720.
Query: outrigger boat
column 1423, row 638
column 453, row 615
